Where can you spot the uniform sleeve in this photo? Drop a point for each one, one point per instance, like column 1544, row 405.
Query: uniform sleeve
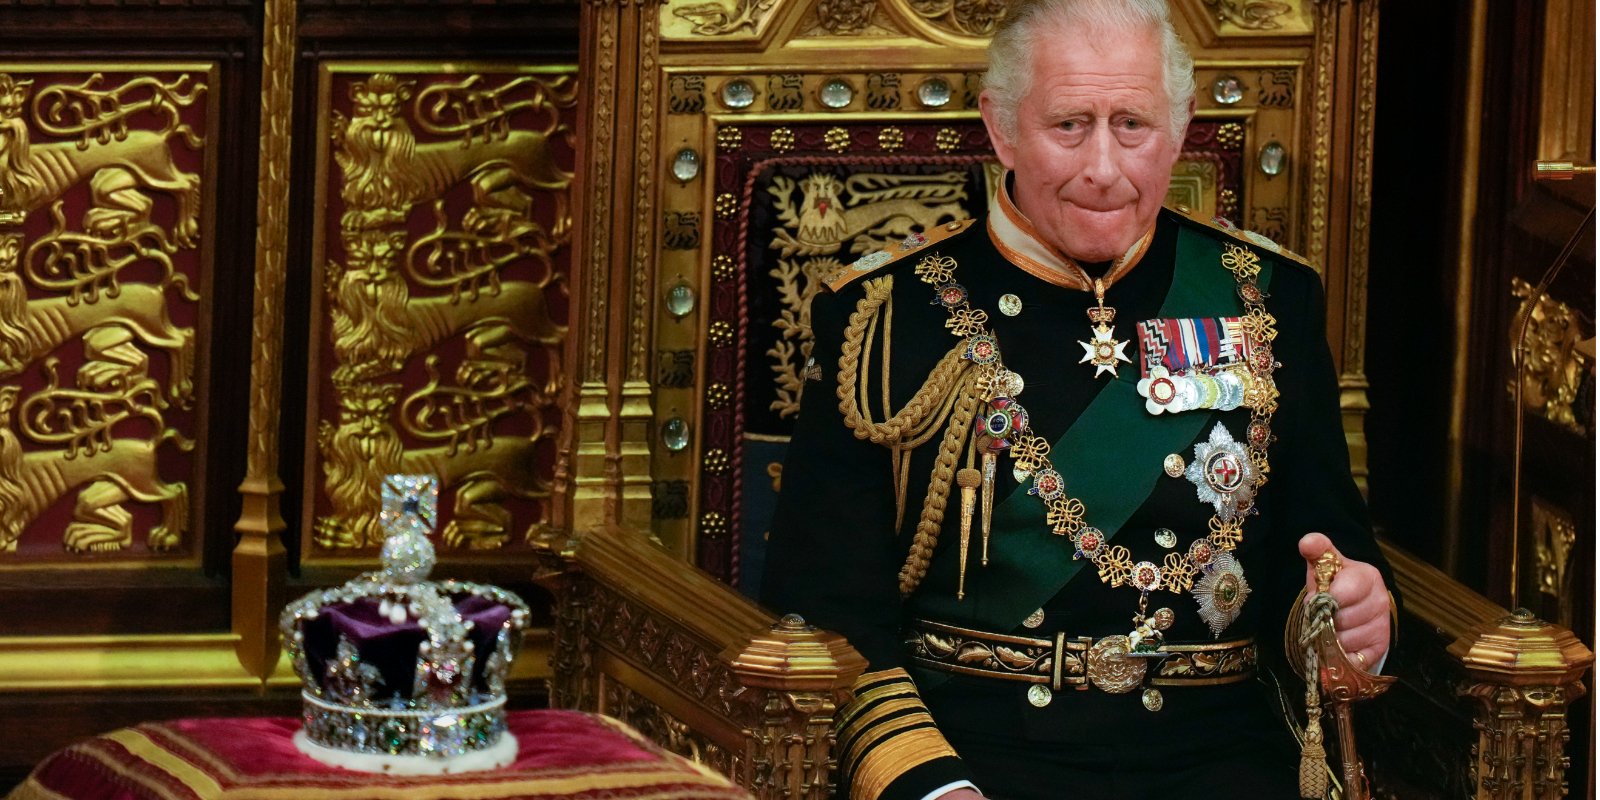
column 1315, row 491
column 833, row 558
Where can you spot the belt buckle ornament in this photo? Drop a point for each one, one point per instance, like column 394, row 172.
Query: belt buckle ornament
column 1111, row 667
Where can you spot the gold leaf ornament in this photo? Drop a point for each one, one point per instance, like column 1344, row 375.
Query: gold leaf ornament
column 972, row 651
column 938, row 646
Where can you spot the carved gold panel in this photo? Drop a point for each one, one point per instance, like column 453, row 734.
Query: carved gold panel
column 442, row 249
column 1258, row 17
column 1554, row 535
column 107, row 182
column 1557, row 366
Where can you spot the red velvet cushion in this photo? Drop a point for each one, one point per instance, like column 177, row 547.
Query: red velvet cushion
column 562, row 754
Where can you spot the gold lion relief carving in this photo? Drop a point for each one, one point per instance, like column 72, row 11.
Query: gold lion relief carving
column 118, row 159
column 378, row 325
column 64, row 289
column 365, row 446
column 29, row 329
column 386, row 171
column 400, row 292
column 109, row 474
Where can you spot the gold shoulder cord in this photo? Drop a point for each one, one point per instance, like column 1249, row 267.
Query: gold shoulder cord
column 950, row 393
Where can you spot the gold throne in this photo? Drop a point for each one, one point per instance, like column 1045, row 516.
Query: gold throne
column 743, row 149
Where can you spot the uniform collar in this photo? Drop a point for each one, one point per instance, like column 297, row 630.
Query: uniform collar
column 1016, row 239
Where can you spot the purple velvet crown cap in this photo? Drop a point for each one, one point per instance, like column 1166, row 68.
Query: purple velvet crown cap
column 392, row 647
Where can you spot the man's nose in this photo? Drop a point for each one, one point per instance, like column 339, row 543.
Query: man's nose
column 1101, row 168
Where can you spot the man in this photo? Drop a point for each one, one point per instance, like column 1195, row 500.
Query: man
column 1029, row 479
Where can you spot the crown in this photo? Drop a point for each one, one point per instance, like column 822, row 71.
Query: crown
column 401, row 674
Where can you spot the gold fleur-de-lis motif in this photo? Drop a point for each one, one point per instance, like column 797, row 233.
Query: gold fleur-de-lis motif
column 1177, row 572
column 936, row 269
column 1226, row 534
column 1115, row 565
column 966, row 322
column 1064, row 515
column 1030, row 452
column 1243, row 262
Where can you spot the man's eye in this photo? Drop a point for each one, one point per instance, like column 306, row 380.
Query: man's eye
column 1131, row 124
column 1069, row 125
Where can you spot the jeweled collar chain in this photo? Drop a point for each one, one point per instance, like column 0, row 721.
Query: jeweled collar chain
column 1006, row 428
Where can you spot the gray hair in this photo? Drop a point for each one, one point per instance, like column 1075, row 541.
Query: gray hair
column 1011, row 51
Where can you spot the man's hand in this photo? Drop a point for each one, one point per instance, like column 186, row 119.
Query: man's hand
column 961, row 794
column 1363, row 617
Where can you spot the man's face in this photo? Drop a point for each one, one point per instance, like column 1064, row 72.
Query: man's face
column 1093, row 150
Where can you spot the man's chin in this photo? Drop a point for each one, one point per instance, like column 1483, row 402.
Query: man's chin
column 1097, row 237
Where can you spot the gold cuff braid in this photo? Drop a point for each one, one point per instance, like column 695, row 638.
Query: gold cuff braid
column 885, row 732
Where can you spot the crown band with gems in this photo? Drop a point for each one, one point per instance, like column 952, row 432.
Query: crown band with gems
column 404, row 732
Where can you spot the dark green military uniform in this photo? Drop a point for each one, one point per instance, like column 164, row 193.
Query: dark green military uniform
column 835, row 551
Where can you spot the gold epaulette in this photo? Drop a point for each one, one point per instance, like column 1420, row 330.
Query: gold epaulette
column 879, row 259
column 1247, row 236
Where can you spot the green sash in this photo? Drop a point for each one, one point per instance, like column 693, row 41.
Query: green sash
column 1110, row 459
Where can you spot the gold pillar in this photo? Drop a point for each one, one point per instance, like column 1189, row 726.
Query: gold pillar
column 608, row 470
column 259, row 558
column 1524, row 673
column 1339, row 208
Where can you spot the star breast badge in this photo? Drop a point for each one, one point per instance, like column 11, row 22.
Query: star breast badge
column 1223, row 474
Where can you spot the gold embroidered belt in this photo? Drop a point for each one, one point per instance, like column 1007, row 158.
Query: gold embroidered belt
column 1078, row 661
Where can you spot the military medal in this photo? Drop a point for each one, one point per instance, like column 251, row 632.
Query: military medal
column 1196, row 363
column 1102, row 350
column 1160, row 391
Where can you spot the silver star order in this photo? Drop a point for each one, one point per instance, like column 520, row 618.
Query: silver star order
column 1221, row 593
column 1228, row 503
column 1104, row 352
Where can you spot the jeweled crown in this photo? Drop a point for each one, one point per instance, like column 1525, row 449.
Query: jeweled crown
column 402, row 674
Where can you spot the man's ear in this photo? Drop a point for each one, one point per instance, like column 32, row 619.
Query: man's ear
column 990, row 109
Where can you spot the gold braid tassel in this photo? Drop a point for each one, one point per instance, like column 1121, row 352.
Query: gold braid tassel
column 988, row 501
column 968, row 479
column 1313, row 754
column 944, row 469
column 1313, row 764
